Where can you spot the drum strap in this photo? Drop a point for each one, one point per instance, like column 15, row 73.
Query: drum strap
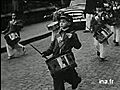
column 62, row 40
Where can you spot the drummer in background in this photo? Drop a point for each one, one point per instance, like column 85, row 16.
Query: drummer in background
column 116, row 23
column 97, row 23
column 90, row 9
column 63, row 42
column 14, row 26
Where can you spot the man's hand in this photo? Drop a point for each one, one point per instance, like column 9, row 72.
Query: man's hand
column 69, row 35
column 43, row 55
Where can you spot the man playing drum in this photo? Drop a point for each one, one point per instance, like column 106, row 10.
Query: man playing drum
column 12, row 37
column 63, row 42
column 101, row 32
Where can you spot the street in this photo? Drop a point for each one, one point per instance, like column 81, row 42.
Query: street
column 30, row 31
column 29, row 72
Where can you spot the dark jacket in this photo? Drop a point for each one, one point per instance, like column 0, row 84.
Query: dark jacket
column 97, row 24
column 116, row 16
column 90, row 6
column 12, row 33
column 13, row 26
column 63, row 46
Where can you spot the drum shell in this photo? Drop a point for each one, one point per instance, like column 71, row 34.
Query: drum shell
column 12, row 42
column 55, row 67
column 103, row 34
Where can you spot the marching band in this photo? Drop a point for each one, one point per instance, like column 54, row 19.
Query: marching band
column 104, row 23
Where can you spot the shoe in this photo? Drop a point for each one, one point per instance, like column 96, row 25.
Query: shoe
column 114, row 41
column 102, row 59
column 11, row 57
column 98, row 53
column 86, row 31
column 74, row 87
column 117, row 44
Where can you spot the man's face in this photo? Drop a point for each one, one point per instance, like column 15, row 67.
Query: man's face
column 64, row 23
column 13, row 16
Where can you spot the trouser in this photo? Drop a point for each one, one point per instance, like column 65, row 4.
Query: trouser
column 11, row 51
column 70, row 76
column 115, row 30
column 88, row 20
column 101, row 47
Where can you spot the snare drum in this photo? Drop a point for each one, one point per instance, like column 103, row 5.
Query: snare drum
column 103, row 34
column 60, row 64
column 12, row 38
column 53, row 26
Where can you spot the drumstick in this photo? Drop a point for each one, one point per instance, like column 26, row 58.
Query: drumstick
column 37, row 50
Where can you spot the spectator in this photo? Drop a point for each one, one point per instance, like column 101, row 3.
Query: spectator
column 90, row 8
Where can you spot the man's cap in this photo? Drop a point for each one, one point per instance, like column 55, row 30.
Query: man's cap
column 66, row 17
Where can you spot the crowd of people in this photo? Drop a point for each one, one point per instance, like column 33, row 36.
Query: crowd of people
column 102, row 20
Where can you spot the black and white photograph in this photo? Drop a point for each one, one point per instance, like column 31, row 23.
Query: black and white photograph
column 60, row 44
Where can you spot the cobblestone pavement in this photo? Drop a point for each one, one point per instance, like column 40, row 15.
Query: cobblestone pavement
column 29, row 72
